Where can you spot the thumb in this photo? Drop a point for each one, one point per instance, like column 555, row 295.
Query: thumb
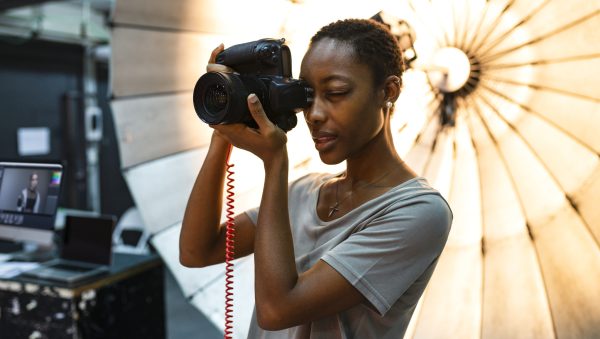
column 258, row 113
column 215, row 52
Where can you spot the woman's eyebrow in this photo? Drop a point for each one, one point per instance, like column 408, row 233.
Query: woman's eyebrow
column 335, row 77
column 329, row 78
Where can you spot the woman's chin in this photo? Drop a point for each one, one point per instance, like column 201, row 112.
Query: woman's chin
column 330, row 159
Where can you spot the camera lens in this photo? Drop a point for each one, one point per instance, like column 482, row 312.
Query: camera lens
column 220, row 98
column 215, row 98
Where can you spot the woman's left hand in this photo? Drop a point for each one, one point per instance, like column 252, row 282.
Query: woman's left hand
column 266, row 142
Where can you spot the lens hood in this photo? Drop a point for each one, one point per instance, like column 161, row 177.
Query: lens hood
column 220, row 98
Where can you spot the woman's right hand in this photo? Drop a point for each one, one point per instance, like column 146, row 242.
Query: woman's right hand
column 213, row 66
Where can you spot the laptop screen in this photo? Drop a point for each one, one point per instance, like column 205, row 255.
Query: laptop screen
column 88, row 239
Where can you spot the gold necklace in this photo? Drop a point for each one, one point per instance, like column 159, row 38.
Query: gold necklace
column 335, row 208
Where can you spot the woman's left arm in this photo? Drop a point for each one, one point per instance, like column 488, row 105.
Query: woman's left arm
column 284, row 298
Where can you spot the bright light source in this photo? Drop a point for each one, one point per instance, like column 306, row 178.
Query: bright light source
column 451, row 69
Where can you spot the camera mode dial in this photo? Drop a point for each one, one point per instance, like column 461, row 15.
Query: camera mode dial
column 269, row 53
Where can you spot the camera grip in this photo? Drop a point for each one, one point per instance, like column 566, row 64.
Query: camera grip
column 260, row 56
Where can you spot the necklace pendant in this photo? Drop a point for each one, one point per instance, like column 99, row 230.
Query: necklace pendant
column 333, row 209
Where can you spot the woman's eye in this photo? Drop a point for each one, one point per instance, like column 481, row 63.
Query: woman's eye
column 335, row 94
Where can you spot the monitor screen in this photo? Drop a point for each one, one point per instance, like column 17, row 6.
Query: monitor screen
column 29, row 194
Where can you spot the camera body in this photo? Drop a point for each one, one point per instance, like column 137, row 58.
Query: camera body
column 262, row 67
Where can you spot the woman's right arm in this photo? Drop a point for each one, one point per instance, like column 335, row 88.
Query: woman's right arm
column 202, row 238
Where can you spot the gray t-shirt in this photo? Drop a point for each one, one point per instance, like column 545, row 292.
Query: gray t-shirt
column 386, row 248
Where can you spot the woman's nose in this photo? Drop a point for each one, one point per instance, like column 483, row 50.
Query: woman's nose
column 315, row 113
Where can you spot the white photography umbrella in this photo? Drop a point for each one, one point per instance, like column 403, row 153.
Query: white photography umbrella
column 509, row 134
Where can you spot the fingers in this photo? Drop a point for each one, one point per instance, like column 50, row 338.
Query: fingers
column 218, row 68
column 265, row 142
column 258, row 113
column 213, row 66
column 229, row 132
column 238, row 135
column 213, row 55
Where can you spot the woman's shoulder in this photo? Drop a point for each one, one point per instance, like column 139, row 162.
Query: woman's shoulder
column 422, row 201
column 415, row 188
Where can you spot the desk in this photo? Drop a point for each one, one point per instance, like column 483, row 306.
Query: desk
column 127, row 302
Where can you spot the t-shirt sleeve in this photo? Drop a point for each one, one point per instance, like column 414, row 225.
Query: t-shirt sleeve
column 253, row 214
column 388, row 255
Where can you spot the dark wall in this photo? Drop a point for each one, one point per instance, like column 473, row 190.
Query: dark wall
column 115, row 194
column 41, row 86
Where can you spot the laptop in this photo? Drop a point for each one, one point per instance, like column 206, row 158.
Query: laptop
column 86, row 251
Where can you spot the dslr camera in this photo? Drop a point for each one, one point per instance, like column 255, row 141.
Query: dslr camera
column 262, row 67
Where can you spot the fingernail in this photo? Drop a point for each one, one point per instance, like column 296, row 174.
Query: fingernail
column 253, row 98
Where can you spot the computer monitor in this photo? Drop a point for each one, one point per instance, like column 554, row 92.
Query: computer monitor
column 29, row 194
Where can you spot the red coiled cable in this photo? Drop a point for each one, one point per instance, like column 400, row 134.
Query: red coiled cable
column 229, row 250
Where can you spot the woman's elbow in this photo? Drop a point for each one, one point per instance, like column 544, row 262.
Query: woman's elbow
column 271, row 318
column 190, row 260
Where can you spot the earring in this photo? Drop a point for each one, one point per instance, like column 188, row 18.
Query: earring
column 388, row 105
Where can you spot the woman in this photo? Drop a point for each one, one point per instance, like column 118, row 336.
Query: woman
column 353, row 255
column 29, row 198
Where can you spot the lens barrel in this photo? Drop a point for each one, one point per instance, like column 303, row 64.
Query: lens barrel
column 220, row 98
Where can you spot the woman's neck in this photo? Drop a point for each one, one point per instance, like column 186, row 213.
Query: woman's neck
column 378, row 161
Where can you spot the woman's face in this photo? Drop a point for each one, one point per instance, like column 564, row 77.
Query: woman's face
column 33, row 181
column 347, row 110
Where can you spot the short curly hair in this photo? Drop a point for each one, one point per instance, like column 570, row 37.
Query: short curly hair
column 373, row 43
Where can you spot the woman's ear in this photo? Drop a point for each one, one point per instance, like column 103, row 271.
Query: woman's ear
column 392, row 88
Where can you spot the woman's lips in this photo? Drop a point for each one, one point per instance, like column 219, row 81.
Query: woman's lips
column 324, row 141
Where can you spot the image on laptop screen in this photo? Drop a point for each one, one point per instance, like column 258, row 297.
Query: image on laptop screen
column 29, row 197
